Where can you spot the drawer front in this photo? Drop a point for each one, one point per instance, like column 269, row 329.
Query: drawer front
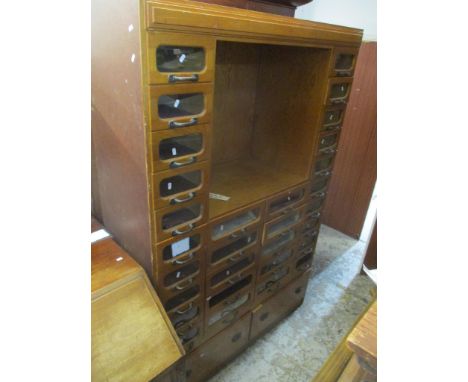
column 178, row 187
column 333, row 118
column 318, row 185
column 303, row 263
column 191, row 334
column 179, row 251
column 194, row 276
column 308, row 240
column 344, row 62
column 277, row 260
column 267, row 314
column 279, row 204
column 180, row 106
column 180, row 220
column 234, row 249
column 178, row 148
column 178, row 58
column 270, row 283
column 205, row 360
column 235, row 271
column 278, row 243
column 339, row 90
column 282, row 224
column 184, row 298
column 187, row 313
column 323, row 166
column 328, row 143
column 236, row 224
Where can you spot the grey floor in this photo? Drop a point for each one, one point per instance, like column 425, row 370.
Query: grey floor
column 296, row 349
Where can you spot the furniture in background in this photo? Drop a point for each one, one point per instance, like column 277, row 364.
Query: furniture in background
column 214, row 133
column 132, row 337
column 279, row 7
column 355, row 172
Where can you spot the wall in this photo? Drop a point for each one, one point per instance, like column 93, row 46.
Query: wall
column 352, row 13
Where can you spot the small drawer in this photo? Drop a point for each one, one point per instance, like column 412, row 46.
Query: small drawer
column 323, row 166
column 236, row 224
column 308, row 240
column 175, row 303
column 187, row 313
column 277, row 260
column 339, row 90
column 272, row 282
column 278, row 243
column 344, row 62
column 304, row 263
column 180, row 106
column 231, row 295
column 180, row 186
column 310, row 224
column 328, row 143
column 267, row 314
column 229, row 275
column 230, row 314
column 177, row 148
column 318, row 185
column 282, row 223
column 177, row 57
column 177, row 284
column 312, row 210
column 190, row 334
column 284, row 202
column 179, row 251
column 333, row 118
column 233, row 249
column 180, row 220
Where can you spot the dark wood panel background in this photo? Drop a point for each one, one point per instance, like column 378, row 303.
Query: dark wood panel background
column 355, row 171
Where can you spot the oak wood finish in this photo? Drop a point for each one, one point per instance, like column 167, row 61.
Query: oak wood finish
column 132, row 339
column 285, row 8
column 355, row 170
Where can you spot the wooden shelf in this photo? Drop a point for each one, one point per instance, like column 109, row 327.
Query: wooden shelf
column 246, row 181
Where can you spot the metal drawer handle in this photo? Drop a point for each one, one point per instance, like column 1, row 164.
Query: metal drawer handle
column 186, row 310
column 236, row 236
column 315, row 215
column 175, row 78
column 180, row 262
column 320, row 195
column 236, row 257
column 329, row 151
column 176, row 164
column 343, row 73
column 227, row 302
column 190, row 196
column 175, row 124
column 334, row 128
column 179, row 232
column 287, row 210
column 181, row 333
column 324, row 173
column 235, row 279
column 187, row 284
column 338, row 101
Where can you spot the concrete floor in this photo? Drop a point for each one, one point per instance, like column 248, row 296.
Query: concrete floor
column 296, row 349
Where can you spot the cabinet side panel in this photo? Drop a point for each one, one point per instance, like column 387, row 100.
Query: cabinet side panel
column 118, row 127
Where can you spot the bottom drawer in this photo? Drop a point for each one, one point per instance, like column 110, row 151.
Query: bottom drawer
column 191, row 335
column 265, row 315
column 213, row 354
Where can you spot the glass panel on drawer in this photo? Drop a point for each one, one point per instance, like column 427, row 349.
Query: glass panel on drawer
column 170, row 58
column 323, row 164
column 339, row 90
column 175, row 147
column 189, row 335
column 229, row 226
column 181, row 216
column 216, row 299
column 180, row 105
column 283, row 224
column 184, row 317
column 344, row 61
column 328, row 141
column 218, row 316
column 233, row 247
column 181, row 273
column 182, row 297
column 277, row 243
column 232, row 270
column 277, row 275
column 286, row 200
column 318, row 185
column 181, row 247
column 280, row 259
column 332, row 117
column 180, row 183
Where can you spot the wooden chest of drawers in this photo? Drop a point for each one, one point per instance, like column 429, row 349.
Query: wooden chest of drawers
column 214, row 142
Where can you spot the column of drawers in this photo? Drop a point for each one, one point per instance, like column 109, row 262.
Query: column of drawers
column 180, row 78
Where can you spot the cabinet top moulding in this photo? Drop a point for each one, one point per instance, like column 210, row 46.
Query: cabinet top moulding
column 191, row 16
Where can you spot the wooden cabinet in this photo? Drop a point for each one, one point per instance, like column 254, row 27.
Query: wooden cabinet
column 214, row 169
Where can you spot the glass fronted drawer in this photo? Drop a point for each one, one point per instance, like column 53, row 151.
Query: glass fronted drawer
column 180, row 186
column 180, row 220
column 333, row 118
column 176, row 148
column 278, row 243
column 344, row 62
column 282, row 224
column 339, row 90
column 328, row 143
column 272, row 282
column 318, row 185
column 190, row 334
column 182, row 298
column 284, row 202
column 185, row 314
column 280, row 258
column 236, row 224
column 304, row 263
column 230, row 274
column 178, row 58
column 323, row 165
column 180, row 106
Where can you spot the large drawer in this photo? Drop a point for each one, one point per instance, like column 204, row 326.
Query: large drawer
column 213, row 354
column 267, row 314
